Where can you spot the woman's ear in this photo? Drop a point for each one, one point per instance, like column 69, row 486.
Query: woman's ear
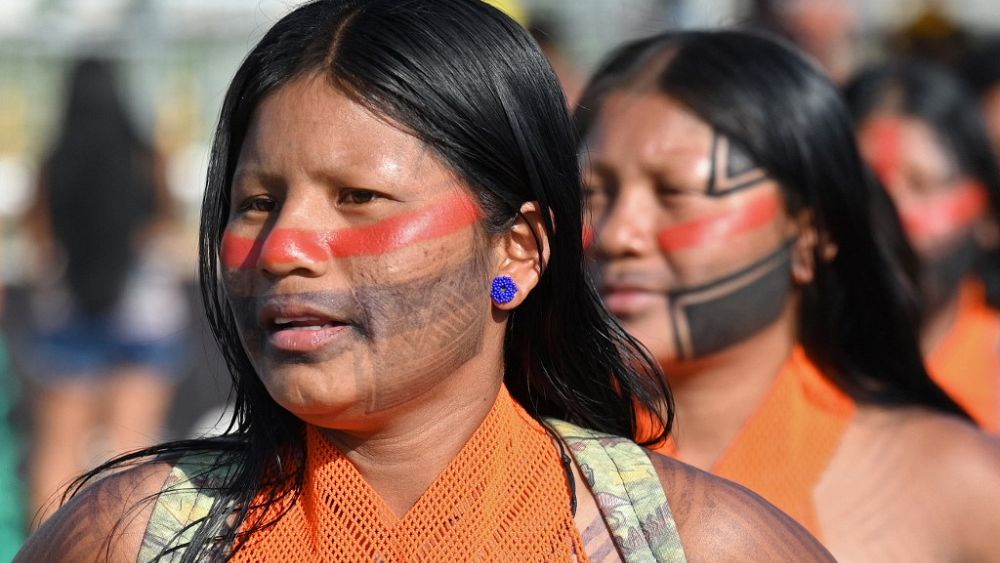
column 809, row 245
column 524, row 251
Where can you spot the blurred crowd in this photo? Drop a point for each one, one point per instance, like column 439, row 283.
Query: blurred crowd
column 102, row 158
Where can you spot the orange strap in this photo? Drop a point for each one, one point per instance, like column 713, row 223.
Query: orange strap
column 503, row 498
column 967, row 362
column 786, row 445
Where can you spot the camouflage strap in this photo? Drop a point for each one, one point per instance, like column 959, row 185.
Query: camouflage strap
column 186, row 498
column 628, row 493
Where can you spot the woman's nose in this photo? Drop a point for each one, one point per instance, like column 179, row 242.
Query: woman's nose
column 627, row 229
column 291, row 247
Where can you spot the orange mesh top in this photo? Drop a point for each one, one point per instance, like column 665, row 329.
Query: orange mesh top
column 786, row 445
column 967, row 362
column 503, row 498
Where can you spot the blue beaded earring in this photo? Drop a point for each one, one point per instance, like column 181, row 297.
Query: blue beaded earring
column 504, row 289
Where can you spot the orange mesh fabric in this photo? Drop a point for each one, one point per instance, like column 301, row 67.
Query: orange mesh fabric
column 786, row 445
column 967, row 362
column 503, row 498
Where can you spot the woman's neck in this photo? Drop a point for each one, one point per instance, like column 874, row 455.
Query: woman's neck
column 716, row 395
column 413, row 444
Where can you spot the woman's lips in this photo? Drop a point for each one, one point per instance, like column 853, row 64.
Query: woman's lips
column 625, row 302
column 303, row 337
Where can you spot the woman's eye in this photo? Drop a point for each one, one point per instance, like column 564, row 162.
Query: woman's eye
column 666, row 191
column 259, row 204
column 357, row 197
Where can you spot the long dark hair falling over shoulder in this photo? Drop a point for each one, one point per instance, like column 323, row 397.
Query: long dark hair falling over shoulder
column 473, row 86
column 860, row 315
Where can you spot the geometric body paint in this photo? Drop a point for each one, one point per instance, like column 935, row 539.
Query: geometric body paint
column 712, row 317
column 282, row 246
column 887, row 155
column 732, row 168
column 721, row 227
column 394, row 337
column 942, row 272
column 945, row 214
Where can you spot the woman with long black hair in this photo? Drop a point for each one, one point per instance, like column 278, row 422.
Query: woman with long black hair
column 110, row 311
column 923, row 134
column 734, row 236
column 392, row 262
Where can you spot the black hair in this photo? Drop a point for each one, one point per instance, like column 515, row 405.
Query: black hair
column 99, row 186
column 473, row 86
column 981, row 67
column 938, row 98
column 859, row 315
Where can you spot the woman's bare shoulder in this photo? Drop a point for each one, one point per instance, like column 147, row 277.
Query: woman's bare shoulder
column 949, row 468
column 105, row 521
column 721, row 521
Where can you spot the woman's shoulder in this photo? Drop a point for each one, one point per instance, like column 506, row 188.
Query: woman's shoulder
column 110, row 518
column 932, row 472
column 105, row 521
column 721, row 520
column 712, row 518
column 940, row 445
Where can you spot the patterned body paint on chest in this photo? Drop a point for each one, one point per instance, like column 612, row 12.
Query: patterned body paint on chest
column 710, row 317
column 442, row 218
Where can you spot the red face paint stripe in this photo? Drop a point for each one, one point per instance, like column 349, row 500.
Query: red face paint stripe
column 588, row 236
column 723, row 226
column 886, row 155
column 945, row 213
column 440, row 219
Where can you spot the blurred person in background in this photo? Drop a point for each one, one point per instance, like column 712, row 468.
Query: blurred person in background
column 825, row 29
column 734, row 237
column 933, row 35
column 981, row 70
column 922, row 133
column 547, row 34
column 109, row 311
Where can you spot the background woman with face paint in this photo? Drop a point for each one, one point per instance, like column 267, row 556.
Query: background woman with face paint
column 733, row 234
column 392, row 263
column 922, row 134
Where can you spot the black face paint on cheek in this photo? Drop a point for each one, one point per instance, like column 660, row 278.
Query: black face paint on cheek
column 712, row 317
column 942, row 272
column 403, row 337
column 423, row 331
column 732, row 168
column 341, row 305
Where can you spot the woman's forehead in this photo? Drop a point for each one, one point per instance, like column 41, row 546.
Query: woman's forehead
column 309, row 126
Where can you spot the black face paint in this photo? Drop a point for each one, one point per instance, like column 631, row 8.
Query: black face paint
column 402, row 337
column 714, row 316
column 942, row 272
column 733, row 169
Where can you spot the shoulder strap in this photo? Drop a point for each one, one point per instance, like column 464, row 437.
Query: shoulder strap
column 185, row 499
column 628, row 493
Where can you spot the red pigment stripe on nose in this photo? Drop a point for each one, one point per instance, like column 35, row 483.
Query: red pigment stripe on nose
column 720, row 227
column 443, row 218
column 946, row 212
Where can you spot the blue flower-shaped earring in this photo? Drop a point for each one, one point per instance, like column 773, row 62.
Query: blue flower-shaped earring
column 504, row 289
